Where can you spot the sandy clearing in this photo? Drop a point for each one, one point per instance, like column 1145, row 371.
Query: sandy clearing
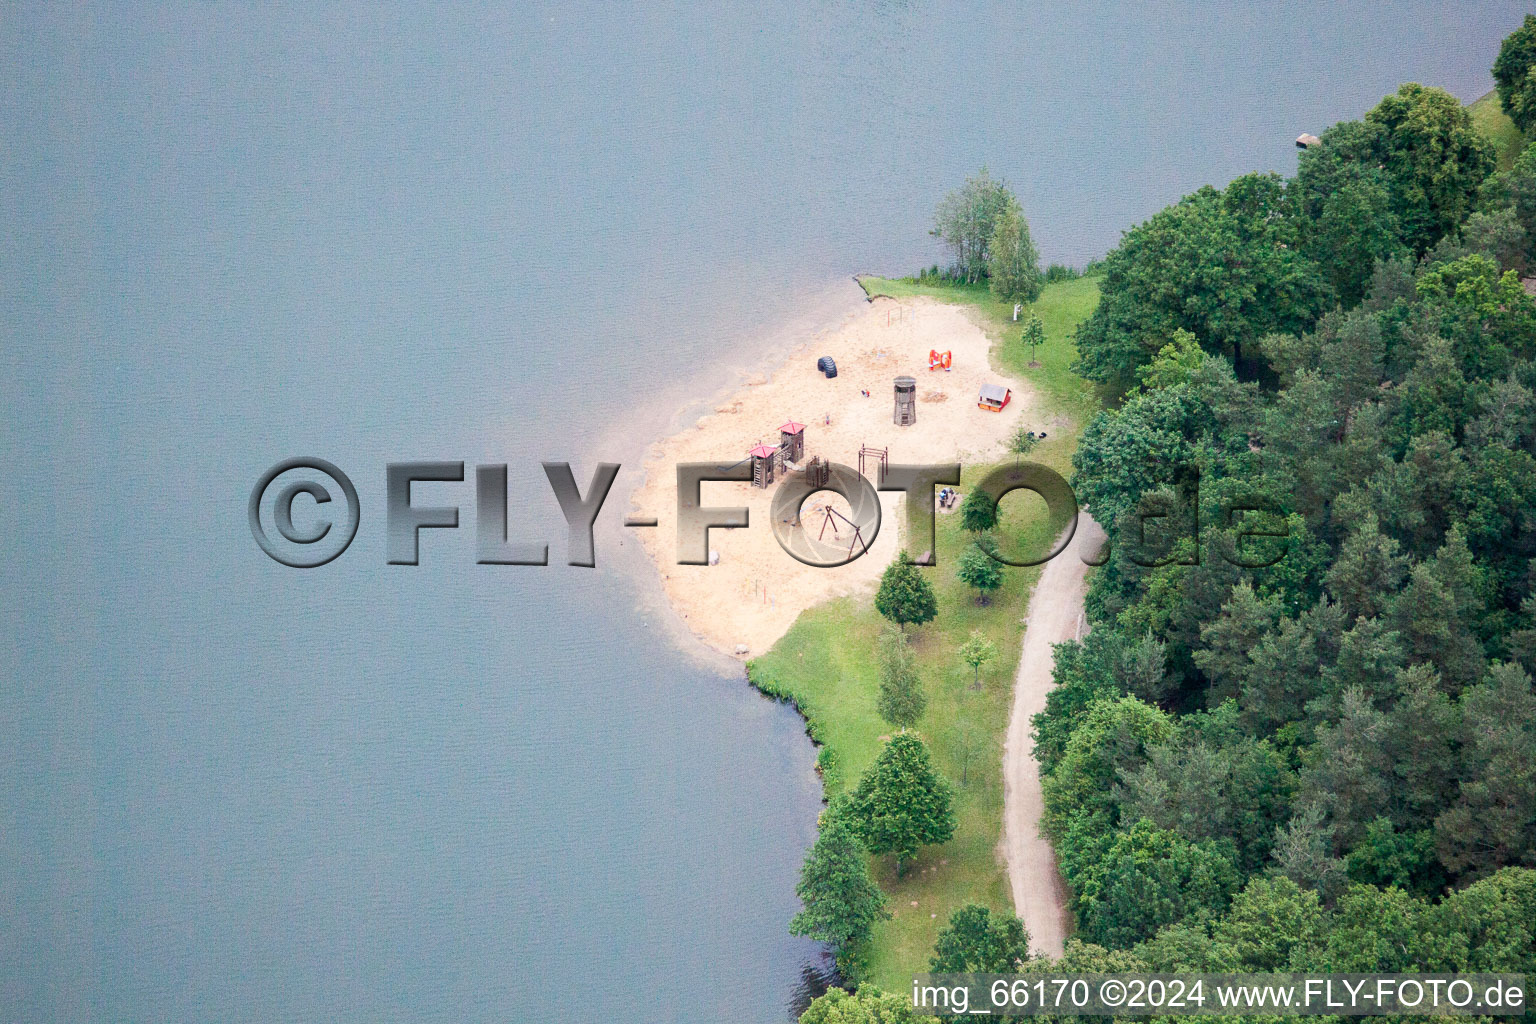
column 754, row 594
column 1055, row 614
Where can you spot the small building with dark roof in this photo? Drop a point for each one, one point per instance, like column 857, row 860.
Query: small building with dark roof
column 993, row 397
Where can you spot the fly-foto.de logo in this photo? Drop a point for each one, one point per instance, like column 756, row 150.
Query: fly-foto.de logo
column 331, row 512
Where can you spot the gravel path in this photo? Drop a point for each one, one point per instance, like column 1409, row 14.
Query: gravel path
column 1055, row 614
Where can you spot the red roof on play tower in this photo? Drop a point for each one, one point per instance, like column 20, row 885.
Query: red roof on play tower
column 762, row 451
column 792, row 427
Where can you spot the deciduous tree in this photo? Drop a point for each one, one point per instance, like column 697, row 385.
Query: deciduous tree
column 1013, row 263
column 868, row 1006
column 904, row 596
column 901, row 700
column 979, row 571
column 1034, row 337
column 1514, row 77
column 902, row 804
column 978, row 511
column 976, row 652
column 966, row 220
column 1436, row 158
column 976, row 942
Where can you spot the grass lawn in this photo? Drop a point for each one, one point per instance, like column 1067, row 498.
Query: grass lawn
column 826, row 661
column 1489, row 118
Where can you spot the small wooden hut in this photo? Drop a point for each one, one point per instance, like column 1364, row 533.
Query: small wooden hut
column 993, row 397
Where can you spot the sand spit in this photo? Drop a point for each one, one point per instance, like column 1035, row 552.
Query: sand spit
column 752, row 596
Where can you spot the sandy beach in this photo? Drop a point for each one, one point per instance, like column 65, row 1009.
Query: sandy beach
column 755, row 591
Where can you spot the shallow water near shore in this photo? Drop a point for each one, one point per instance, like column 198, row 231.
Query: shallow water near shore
column 231, row 790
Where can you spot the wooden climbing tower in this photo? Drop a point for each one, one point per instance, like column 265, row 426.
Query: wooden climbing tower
column 906, row 402
column 763, row 459
column 792, row 441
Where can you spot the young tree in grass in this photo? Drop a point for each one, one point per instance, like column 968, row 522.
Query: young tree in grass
column 976, row 652
column 893, row 651
column 841, row 902
column 1034, row 337
column 978, row 512
column 975, row 943
column 1021, row 442
column 967, row 739
column 979, row 571
column 905, row 597
column 902, row 804
column 901, row 701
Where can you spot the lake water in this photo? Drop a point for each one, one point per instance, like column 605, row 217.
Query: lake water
column 235, row 791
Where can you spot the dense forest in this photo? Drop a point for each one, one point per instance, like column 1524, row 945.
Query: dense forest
column 1302, row 732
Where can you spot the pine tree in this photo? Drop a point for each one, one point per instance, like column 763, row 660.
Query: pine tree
column 1368, row 571
column 905, row 597
column 1493, row 822
column 1350, row 773
column 1438, row 608
column 1225, row 658
column 1419, row 743
column 901, row 803
column 1287, row 666
column 1149, row 878
column 841, row 902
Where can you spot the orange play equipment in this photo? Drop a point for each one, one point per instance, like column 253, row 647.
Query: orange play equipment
column 938, row 360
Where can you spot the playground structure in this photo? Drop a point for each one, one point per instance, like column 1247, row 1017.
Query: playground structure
column 768, row 461
column 993, row 398
column 764, row 461
column 791, row 442
column 817, row 472
column 905, row 413
column 940, row 360
column 879, row 458
column 832, row 518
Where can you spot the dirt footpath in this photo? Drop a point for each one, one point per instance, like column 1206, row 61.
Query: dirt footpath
column 1055, row 614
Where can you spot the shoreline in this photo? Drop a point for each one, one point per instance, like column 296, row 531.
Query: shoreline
column 823, row 667
column 755, row 593
column 813, row 652
column 830, row 305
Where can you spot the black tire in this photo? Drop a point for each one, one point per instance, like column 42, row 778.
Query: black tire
column 827, row 366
